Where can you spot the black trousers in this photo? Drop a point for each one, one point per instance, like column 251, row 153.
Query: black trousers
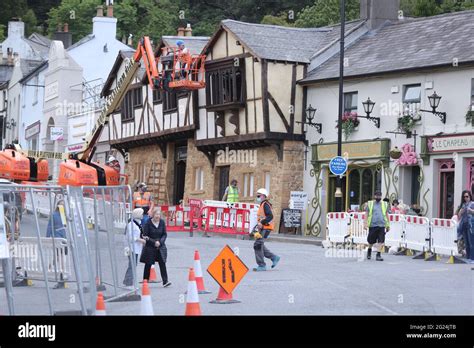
column 163, row 272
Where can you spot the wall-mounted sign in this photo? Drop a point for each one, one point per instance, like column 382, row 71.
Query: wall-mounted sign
column 74, row 148
column 451, row 143
column 338, row 165
column 298, row 200
column 51, row 91
column 354, row 150
column 181, row 153
column 32, row 130
column 57, row 133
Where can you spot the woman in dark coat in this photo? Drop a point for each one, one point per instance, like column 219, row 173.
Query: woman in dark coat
column 154, row 233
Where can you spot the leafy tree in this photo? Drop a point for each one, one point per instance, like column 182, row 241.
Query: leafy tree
column 327, row 12
column 30, row 22
column 77, row 13
column 2, row 31
column 282, row 20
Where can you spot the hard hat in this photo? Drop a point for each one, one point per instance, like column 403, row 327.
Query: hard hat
column 179, row 42
column 262, row 191
column 142, row 184
column 112, row 158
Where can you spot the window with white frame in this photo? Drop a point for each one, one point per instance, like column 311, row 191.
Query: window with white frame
column 33, row 143
column 36, row 83
column 249, row 184
column 198, row 179
column 267, row 181
column 350, row 101
column 411, row 98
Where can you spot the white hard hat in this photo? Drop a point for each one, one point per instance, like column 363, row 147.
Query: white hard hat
column 112, row 158
column 263, row 191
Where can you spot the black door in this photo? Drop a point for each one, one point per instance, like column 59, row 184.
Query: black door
column 223, row 180
column 180, row 172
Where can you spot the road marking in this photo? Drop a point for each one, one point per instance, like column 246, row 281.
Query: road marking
column 383, row 307
column 435, row 270
column 336, row 285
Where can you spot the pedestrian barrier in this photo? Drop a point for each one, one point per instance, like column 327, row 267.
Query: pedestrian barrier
column 177, row 218
column 55, row 251
column 358, row 233
column 225, row 220
column 417, row 233
column 396, row 236
column 444, row 237
column 338, row 227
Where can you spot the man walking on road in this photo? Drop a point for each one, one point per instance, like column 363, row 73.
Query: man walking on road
column 265, row 226
column 378, row 223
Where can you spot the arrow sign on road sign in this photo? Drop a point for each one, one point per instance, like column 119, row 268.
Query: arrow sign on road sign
column 338, row 165
column 227, row 269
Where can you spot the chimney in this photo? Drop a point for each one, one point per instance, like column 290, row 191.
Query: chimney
column 10, row 56
column 16, row 29
column 59, row 28
column 130, row 41
column 63, row 35
column 181, row 31
column 100, row 11
column 110, row 10
column 377, row 12
column 16, row 58
column 188, row 31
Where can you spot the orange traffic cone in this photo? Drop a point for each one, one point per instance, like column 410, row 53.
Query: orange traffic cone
column 153, row 278
column 100, row 305
column 198, row 274
column 224, row 298
column 146, row 305
column 192, row 298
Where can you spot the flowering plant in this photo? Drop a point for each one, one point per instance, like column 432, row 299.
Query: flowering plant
column 470, row 114
column 349, row 123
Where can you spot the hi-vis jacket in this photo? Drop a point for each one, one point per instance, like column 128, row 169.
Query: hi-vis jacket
column 265, row 215
column 141, row 200
column 370, row 205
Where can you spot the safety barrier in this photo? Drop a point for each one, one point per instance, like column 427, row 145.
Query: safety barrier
column 55, row 251
column 417, row 233
column 396, row 236
column 225, row 220
column 358, row 234
column 444, row 237
column 177, row 218
column 337, row 227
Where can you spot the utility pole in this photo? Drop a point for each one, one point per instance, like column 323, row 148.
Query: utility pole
column 338, row 193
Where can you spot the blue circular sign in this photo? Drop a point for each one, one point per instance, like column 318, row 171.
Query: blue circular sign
column 338, row 165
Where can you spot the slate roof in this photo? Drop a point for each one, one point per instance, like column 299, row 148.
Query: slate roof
column 407, row 44
column 28, row 65
column 5, row 72
column 194, row 43
column 81, row 41
column 285, row 43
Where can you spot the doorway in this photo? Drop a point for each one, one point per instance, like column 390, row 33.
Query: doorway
column 223, row 181
column 446, row 189
column 180, row 173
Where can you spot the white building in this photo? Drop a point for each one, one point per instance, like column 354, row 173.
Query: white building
column 398, row 64
column 96, row 54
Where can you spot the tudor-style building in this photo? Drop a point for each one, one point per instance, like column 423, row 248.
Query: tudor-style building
column 153, row 129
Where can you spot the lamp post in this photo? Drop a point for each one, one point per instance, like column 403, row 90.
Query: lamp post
column 338, row 193
column 434, row 103
column 310, row 113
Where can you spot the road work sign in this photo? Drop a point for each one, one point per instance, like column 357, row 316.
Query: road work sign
column 227, row 269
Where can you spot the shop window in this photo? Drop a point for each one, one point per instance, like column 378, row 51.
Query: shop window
column 446, row 189
column 248, row 185
column 198, row 179
column 350, row 102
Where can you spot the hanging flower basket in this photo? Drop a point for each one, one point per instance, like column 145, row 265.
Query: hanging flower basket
column 395, row 153
column 470, row 115
column 350, row 122
column 407, row 122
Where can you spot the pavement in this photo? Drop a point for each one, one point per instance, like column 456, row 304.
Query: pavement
column 309, row 280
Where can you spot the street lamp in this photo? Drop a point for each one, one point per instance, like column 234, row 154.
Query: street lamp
column 310, row 113
column 368, row 108
column 434, row 103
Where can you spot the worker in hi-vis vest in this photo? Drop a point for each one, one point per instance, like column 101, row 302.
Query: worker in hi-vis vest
column 143, row 199
column 231, row 194
column 378, row 223
column 265, row 227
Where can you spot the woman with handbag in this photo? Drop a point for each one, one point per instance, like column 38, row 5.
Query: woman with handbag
column 134, row 238
column 154, row 234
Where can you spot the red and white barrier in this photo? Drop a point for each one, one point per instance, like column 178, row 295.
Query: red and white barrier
column 396, row 236
column 356, row 228
column 337, row 227
column 177, row 218
column 225, row 220
column 417, row 233
column 444, row 237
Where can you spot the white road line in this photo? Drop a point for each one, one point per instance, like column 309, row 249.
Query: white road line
column 383, row 307
column 336, row 285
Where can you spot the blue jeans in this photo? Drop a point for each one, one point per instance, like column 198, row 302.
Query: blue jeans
column 468, row 236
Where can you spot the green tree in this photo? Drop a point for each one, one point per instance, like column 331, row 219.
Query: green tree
column 281, row 20
column 2, row 32
column 326, row 12
column 426, row 8
column 77, row 13
column 31, row 23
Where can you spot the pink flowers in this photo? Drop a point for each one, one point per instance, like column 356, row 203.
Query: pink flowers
column 408, row 157
column 349, row 116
